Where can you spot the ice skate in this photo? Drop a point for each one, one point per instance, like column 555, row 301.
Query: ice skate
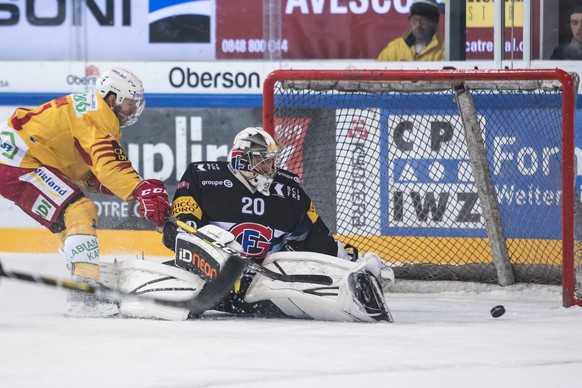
column 82, row 304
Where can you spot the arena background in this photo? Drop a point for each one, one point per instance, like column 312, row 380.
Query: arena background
column 202, row 89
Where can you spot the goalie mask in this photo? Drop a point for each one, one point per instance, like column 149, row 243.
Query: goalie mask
column 128, row 89
column 254, row 154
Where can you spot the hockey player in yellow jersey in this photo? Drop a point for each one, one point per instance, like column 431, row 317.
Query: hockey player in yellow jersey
column 52, row 154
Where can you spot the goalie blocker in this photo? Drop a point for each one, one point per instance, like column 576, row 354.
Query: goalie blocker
column 203, row 275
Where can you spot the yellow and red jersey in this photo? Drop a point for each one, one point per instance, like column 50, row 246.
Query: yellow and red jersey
column 78, row 134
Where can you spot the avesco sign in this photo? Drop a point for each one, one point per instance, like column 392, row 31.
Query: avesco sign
column 340, row 7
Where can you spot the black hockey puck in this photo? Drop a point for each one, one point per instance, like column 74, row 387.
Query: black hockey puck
column 497, row 311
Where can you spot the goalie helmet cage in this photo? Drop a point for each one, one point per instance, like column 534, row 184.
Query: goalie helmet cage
column 447, row 174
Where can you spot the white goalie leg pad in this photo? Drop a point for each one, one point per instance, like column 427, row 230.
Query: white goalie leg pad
column 155, row 280
column 340, row 301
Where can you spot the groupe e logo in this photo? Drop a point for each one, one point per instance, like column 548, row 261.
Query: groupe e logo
column 226, row 183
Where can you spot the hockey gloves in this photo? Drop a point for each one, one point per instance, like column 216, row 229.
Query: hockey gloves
column 153, row 201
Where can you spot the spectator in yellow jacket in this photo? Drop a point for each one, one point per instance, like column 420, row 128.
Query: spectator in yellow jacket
column 52, row 154
column 422, row 41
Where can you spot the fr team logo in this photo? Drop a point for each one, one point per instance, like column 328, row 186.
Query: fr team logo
column 255, row 239
column 180, row 21
column 238, row 162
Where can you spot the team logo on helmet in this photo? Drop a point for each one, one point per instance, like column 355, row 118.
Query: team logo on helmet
column 255, row 239
column 239, row 161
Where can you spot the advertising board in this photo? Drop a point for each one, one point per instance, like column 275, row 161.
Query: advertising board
column 449, row 187
column 154, row 30
column 421, row 165
column 107, row 30
column 205, row 30
column 168, row 136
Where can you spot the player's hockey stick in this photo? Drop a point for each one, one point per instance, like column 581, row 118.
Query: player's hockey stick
column 281, row 276
column 98, row 290
column 54, row 282
column 101, row 291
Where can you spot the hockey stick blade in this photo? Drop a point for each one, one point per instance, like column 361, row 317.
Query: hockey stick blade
column 282, row 276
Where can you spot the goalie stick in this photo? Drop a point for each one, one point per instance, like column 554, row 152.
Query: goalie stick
column 281, row 276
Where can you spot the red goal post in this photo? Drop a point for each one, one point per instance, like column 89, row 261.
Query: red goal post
column 446, row 174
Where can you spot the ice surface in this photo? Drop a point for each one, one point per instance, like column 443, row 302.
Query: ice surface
column 439, row 339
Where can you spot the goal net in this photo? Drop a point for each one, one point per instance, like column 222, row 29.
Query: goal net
column 447, row 175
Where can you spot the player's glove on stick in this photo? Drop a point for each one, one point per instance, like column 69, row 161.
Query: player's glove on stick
column 153, row 201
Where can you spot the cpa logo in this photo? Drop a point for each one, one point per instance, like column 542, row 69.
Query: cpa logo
column 180, row 21
column 255, row 239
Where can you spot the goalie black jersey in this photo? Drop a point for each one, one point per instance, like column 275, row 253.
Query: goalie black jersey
column 211, row 193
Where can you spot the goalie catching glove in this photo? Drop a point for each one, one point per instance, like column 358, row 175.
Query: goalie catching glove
column 153, row 201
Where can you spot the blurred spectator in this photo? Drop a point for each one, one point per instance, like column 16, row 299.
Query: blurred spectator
column 422, row 41
column 572, row 49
